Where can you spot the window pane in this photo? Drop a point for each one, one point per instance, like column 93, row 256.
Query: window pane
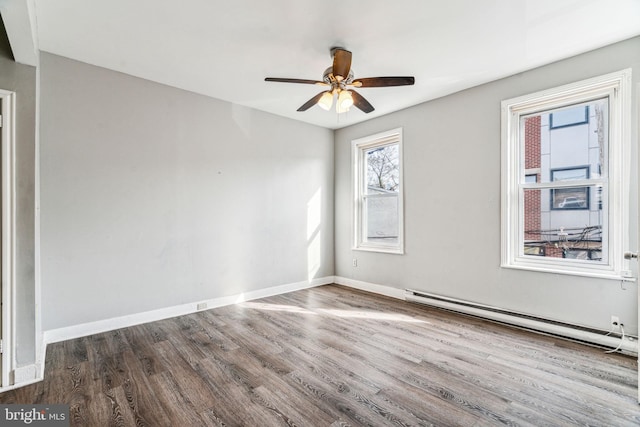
column 569, row 117
column 562, row 233
column 575, row 150
column 570, row 174
column 532, row 215
column 570, row 198
column 381, row 219
column 383, row 170
column 563, row 145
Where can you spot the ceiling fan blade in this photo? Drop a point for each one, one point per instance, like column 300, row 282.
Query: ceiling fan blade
column 384, row 81
column 341, row 64
column 360, row 102
column 286, row 80
column 310, row 103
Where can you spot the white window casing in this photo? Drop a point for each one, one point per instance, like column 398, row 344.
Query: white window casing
column 617, row 88
column 360, row 195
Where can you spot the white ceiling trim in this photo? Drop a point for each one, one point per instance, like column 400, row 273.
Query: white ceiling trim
column 19, row 20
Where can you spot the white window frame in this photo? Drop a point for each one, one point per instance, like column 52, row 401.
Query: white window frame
column 616, row 86
column 359, row 146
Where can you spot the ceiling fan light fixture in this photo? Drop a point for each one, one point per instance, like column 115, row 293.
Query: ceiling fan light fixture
column 338, row 77
column 345, row 101
column 326, row 101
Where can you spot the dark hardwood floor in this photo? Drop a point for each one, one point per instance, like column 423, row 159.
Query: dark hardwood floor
column 332, row 356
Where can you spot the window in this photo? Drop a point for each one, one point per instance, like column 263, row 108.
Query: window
column 377, row 178
column 570, row 198
column 565, row 178
column 569, row 117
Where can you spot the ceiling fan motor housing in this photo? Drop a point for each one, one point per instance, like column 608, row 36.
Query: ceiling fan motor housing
column 329, row 78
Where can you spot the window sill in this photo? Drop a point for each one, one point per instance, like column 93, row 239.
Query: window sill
column 394, row 251
column 596, row 274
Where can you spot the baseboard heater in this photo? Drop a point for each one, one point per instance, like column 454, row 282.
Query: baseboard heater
column 578, row 333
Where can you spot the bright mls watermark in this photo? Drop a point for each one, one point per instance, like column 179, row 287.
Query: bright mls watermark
column 34, row 415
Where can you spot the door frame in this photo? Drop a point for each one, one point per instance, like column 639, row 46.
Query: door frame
column 637, row 160
column 7, row 228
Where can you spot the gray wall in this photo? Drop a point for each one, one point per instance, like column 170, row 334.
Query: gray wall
column 452, row 202
column 153, row 197
column 21, row 79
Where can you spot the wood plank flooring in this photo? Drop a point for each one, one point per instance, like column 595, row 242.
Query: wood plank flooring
column 332, row 356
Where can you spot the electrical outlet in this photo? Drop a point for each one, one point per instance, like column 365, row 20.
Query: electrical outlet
column 355, row 262
column 202, row 306
column 615, row 323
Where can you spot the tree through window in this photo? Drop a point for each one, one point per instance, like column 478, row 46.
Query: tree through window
column 383, row 168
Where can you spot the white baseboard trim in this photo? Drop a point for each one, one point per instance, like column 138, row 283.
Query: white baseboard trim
column 90, row 328
column 371, row 287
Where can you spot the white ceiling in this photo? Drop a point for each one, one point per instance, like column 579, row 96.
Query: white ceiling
column 225, row 49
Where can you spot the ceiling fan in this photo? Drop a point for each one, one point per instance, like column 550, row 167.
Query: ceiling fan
column 340, row 82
